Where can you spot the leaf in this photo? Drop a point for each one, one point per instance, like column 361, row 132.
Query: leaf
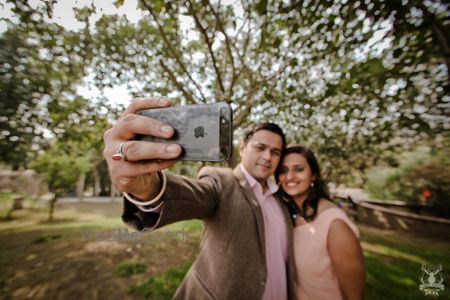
column 118, row 3
column 261, row 7
column 376, row 66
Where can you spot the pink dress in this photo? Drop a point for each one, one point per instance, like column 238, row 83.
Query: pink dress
column 316, row 278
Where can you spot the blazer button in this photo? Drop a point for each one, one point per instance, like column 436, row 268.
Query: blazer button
column 262, row 283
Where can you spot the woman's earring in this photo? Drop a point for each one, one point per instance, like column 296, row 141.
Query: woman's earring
column 312, row 184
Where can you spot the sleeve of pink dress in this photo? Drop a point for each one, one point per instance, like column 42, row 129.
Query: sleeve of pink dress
column 316, row 278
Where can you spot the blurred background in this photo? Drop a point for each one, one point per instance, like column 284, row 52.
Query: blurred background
column 364, row 84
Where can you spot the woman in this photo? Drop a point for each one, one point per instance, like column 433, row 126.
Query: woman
column 328, row 257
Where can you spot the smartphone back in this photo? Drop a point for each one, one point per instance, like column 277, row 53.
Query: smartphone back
column 202, row 130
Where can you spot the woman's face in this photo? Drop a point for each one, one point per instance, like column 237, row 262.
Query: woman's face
column 295, row 175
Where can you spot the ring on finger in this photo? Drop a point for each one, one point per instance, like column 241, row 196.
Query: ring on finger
column 119, row 155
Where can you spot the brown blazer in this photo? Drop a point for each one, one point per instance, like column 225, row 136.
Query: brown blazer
column 231, row 263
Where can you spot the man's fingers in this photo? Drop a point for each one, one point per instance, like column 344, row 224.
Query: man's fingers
column 142, row 150
column 129, row 125
column 130, row 171
column 146, row 103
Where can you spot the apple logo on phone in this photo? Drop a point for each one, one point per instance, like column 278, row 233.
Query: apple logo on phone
column 199, row 132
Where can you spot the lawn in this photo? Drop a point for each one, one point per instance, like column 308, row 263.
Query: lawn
column 393, row 263
column 44, row 260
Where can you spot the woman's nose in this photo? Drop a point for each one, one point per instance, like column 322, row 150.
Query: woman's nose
column 289, row 175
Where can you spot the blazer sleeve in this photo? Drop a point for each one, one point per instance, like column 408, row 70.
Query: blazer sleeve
column 184, row 198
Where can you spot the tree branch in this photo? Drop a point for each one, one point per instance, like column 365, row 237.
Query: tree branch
column 228, row 45
column 209, row 44
column 249, row 102
column 170, row 49
column 179, row 85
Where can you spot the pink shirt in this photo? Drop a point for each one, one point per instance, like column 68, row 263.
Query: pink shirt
column 316, row 278
column 276, row 237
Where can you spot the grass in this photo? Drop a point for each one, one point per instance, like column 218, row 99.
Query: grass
column 393, row 264
column 393, row 260
column 128, row 269
column 162, row 286
column 393, row 267
column 47, row 238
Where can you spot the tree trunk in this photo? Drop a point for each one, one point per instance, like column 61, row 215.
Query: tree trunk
column 97, row 185
column 80, row 186
column 52, row 207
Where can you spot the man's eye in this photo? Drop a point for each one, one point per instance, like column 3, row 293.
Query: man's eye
column 276, row 153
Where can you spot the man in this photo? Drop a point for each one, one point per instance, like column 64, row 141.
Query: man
column 246, row 247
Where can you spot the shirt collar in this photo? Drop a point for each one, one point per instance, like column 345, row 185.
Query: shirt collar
column 271, row 184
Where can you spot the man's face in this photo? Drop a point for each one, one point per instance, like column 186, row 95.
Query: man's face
column 261, row 154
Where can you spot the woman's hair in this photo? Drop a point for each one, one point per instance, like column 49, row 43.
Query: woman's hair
column 316, row 192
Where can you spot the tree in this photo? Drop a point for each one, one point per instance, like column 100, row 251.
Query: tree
column 79, row 125
column 62, row 170
column 354, row 81
column 40, row 62
column 418, row 172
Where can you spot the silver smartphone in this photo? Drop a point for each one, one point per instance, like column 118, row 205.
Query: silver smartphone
column 204, row 131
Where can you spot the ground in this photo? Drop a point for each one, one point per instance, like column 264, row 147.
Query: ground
column 42, row 260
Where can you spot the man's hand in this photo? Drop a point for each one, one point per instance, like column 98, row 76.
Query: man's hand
column 137, row 174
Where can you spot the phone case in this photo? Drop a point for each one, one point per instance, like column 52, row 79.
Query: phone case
column 202, row 130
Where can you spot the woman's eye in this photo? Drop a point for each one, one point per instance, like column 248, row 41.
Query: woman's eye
column 283, row 171
column 299, row 169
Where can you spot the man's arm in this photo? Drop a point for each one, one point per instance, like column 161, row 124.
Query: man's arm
column 183, row 199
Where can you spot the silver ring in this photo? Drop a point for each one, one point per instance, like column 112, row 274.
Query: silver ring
column 119, row 155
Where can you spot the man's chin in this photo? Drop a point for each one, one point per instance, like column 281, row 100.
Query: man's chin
column 262, row 176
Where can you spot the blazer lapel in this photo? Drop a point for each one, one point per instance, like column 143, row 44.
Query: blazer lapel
column 250, row 197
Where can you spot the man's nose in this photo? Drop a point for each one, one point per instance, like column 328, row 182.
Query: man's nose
column 266, row 154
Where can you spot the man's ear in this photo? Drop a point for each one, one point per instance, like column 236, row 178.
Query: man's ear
column 242, row 145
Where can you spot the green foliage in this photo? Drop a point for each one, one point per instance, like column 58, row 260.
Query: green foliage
column 127, row 269
column 162, row 286
column 5, row 197
column 416, row 173
column 39, row 62
column 61, row 167
column 355, row 81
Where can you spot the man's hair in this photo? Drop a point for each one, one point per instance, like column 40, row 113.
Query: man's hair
column 264, row 126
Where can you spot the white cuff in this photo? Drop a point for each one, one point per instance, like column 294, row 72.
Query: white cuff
column 156, row 209
column 155, row 200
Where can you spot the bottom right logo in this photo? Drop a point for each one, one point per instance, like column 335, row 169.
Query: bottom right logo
column 431, row 284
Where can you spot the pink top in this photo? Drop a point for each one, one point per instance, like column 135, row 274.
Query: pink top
column 316, row 278
column 276, row 238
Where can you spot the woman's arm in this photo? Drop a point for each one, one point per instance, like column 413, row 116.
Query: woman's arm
column 347, row 260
